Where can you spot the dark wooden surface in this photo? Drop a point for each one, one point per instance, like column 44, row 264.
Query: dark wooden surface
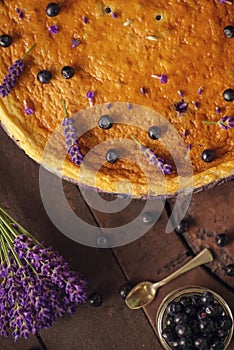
column 154, row 256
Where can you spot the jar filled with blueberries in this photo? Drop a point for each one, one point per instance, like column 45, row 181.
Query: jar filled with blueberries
column 192, row 318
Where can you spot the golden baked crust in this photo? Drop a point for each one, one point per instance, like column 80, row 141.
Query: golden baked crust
column 115, row 61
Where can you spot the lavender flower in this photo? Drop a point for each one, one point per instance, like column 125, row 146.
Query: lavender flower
column 85, row 20
column 14, row 72
column 142, row 90
column 165, row 168
column 37, row 284
column 217, row 110
column 181, row 107
column 225, row 1
column 75, row 42
column 27, row 109
column 225, row 122
column 199, row 91
column 90, row 96
column 196, row 105
column 71, row 136
column 180, row 93
column 19, row 12
column 162, row 78
column 114, row 15
column 53, row 29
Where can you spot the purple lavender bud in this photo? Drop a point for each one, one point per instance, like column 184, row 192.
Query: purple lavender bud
column 108, row 105
column 129, row 106
column 75, row 42
column 114, row 15
column 67, row 121
column 53, row 29
column 19, row 12
column 85, row 20
column 226, row 122
column 199, row 91
column 164, row 79
column 217, row 110
column 90, row 94
column 180, row 93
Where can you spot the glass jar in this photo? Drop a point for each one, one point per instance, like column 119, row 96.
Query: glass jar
column 187, row 292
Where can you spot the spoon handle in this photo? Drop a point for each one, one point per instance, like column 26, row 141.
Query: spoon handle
column 203, row 257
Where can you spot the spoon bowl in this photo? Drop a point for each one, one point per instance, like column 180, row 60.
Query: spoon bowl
column 144, row 292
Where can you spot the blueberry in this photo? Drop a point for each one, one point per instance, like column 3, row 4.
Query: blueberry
column 52, row 9
column 225, row 323
column 214, row 310
column 190, row 310
column 108, row 10
column 230, row 270
column 208, row 155
column 44, row 76
column 154, row 132
column 206, row 326
column 183, row 330
column 201, row 344
column 5, row 40
column 173, row 308
column 168, row 334
column 175, row 344
column 182, row 227
column 105, row 122
column 170, row 321
column 196, row 301
column 147, row 218
column 111, row 156
column 67, row 72
column 158, row 17
column 124, row 290
column 217, row 345
column 229, row 32
column 228, row 95
column 185, row 301
column 180, row 317
column 222, row 333
column 221, row 239
column 185, row 343
column 207, row 298
column 95, row 299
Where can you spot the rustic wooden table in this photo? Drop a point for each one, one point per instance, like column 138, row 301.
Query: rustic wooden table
column 155, row 255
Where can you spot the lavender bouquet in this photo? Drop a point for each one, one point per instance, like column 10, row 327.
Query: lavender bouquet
column 37, row 285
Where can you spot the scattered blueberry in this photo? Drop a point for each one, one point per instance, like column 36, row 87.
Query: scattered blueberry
column 67, row 72
column 222, row 334
column 158, row 17
column 124, row 290
column 221, row 239
column 229, row 32
column 44, row 76
column 185, row 301
column 147, row 218
column 105, row 122
column 103, row 242
column 214, row 310
column 230, row 270
column 154, row 132
column 95, row 299
column 228, row 95
column 108, row 10
column 182, row 227
column 52, row 9
column 208, row 155
column 185, row 343
column 170, row 321
column 111, row 156
column 5, row 40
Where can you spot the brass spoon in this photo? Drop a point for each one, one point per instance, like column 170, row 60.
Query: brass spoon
column 144, row 292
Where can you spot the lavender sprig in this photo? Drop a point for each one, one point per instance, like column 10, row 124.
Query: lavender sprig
column 225, row 122
column 71, row 137
column 160, row 163
column 37, row 285
column 14, row 72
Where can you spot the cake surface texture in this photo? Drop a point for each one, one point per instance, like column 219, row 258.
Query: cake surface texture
column 174, row 59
